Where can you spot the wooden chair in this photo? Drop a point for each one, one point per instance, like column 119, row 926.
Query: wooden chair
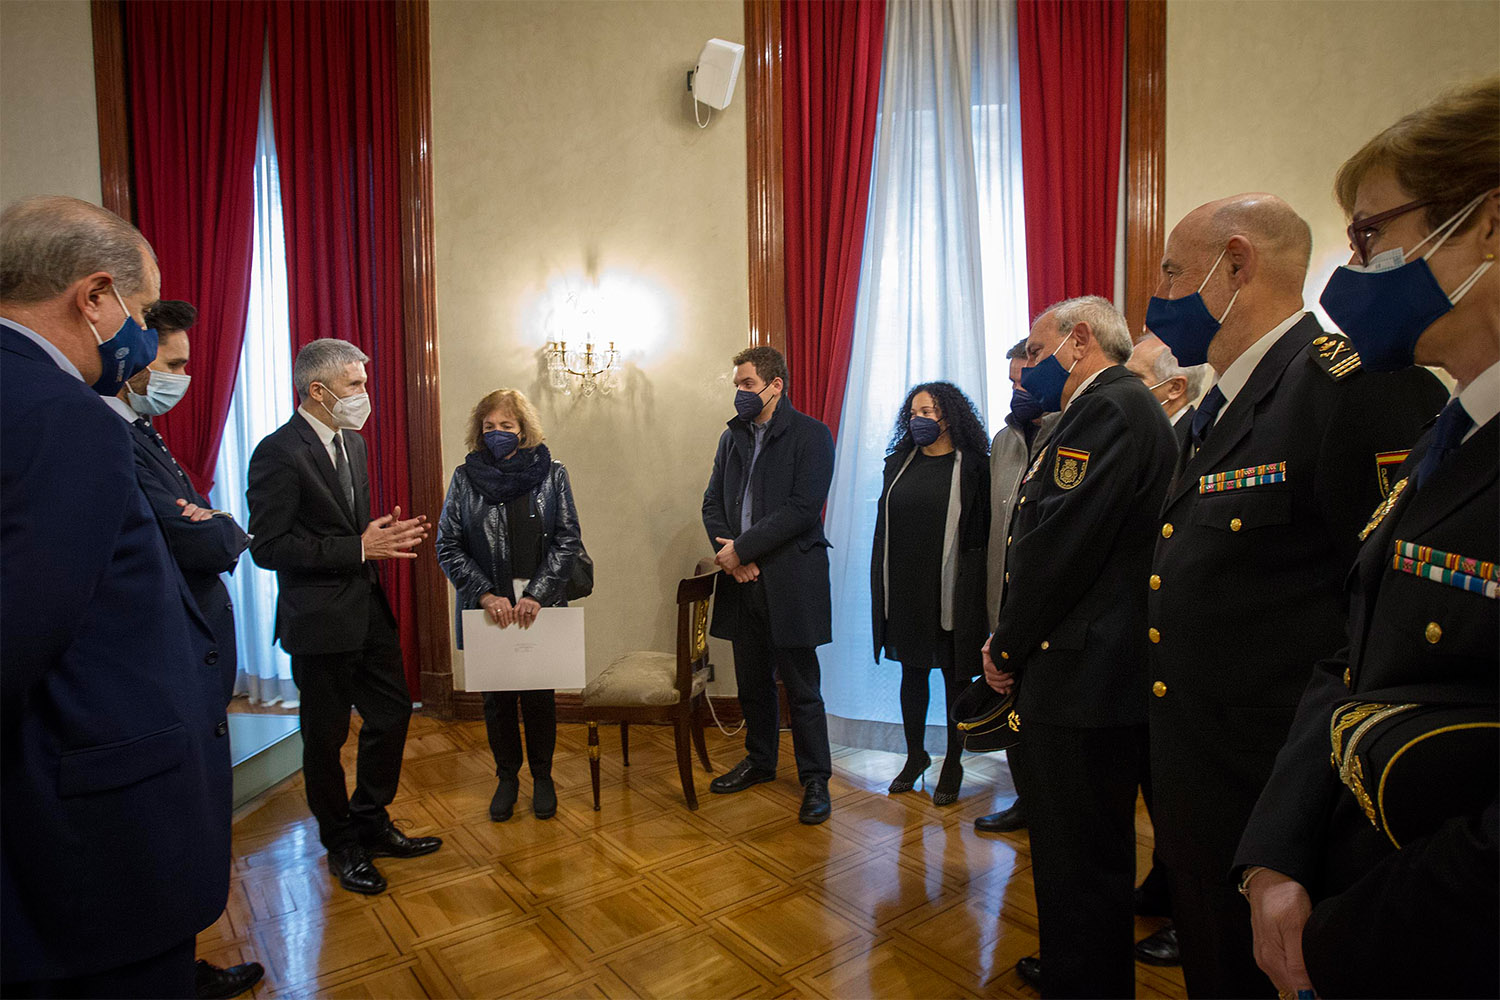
column 660, row 688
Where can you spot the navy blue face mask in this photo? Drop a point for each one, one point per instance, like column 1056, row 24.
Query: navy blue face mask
column 1386, row 305
column 501, row 443
column 1185, row 325
column 127, row 353
column 748, row 404
column 925, row 430
column 1024, row 406
column 1045, row 381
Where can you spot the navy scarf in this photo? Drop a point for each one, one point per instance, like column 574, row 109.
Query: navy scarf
column 499, row 480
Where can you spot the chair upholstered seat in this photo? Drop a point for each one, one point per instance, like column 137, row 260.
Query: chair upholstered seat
column 640, row 678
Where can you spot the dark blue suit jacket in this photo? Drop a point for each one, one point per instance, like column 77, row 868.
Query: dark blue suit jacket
column 202, row 549
column 114, row 769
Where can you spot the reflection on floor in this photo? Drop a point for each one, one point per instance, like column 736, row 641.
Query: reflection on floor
column 891, row 898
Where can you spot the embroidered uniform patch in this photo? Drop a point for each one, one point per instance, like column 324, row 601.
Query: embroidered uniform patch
column 1383, row 509
column 1069, row 467
column 1255, row 475
column 1386, row 464
column 1334, row 354
column 1466, row 573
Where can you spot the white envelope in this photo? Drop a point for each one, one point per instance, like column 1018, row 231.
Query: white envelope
column 549, row 654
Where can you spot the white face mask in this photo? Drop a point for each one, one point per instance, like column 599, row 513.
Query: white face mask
column 164, row 390
column 349, row 412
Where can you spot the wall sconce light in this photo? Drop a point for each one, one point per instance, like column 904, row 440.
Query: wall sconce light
column 594, row 370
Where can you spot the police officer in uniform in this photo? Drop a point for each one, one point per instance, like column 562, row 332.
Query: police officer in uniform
column 1072, row 631
column 1371, row 861
column 1281, row 470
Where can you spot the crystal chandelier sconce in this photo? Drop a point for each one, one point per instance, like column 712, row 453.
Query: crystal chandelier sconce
column 590, row 369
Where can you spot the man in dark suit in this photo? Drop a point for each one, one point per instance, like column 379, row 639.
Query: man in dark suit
column 116, row 787
column 1174, row 387
column 309, row 495
column 763, row 510
column 204, row 542
column 1072, row 631
column 1259, row 529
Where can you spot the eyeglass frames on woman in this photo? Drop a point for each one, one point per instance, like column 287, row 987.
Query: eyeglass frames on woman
column 1362, row 231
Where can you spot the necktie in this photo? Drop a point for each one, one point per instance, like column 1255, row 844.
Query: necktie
column 341, row 466
column 1452, row 424
column 145, row 425
column 1203, row 420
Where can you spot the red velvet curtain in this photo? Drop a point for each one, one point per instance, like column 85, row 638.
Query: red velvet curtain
column 831, row 54
column 1072, row 61
column 194, row 76
column 333, row 95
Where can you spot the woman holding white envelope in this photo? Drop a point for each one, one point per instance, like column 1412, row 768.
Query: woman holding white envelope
column 507, row 539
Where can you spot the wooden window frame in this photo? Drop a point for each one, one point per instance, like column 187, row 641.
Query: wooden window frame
column 419, row 291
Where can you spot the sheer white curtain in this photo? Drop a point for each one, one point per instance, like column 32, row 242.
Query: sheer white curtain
column 942, row 295
column 262, row 402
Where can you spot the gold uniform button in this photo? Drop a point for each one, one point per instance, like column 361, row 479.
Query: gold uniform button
column 1004, row 655
column 1021, row 501
column 1154, row 634
column 1235, row 524
column 1434, row 632
column 1159, row 689
column 1008, row 538
column 1166, row 530
column 1007, row 578
column 1155, row 582
column 1046, row 644
column 1346, row 679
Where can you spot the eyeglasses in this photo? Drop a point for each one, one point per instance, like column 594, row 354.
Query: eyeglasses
column 1365, row 230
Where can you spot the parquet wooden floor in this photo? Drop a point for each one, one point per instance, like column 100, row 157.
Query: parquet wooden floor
column 892, row 897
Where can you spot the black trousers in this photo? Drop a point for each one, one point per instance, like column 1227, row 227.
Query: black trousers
column 1079, row 786
column 171, row 974
column 371, row 680
column 1213, row 931
column 757, row 664
column 539, row 711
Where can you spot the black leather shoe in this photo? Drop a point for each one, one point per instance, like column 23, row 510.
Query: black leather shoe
column 1030, row 971
column 215, row 983
column 543, row 798
column 1160, row 948
column 740, row 777
column 392, row 843
column 355, row 871
column 815, row 804
column 504, row 802
column 1010, row 819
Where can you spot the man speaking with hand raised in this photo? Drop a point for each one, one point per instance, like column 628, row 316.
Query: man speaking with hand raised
column 309, row 495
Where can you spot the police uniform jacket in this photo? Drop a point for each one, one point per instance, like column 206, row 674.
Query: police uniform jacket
column 202, row 549
column 1072, row 622
column 788, row 488
column 115, row 758
column 1246, row 586
column 1383, row 800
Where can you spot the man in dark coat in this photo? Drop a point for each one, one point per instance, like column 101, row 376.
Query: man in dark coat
column 116, row 780
column 204, row 542
column 763, row 510
column 1072, row 632
column 309, row 495
column 1260, row 527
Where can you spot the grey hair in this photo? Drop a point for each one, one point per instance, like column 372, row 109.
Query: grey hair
column 1164, row 366
column 322, row 360
column 49, row 242
column 1197, row 377
column 1107, row 322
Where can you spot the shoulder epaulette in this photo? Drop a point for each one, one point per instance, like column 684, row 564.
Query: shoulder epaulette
column 1333, row 353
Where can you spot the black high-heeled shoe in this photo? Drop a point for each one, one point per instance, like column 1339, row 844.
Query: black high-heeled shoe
column 949, row 778
column 916, row 767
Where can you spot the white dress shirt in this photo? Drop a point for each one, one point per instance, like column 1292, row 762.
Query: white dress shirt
column 1481, row 398
column 1238, row 373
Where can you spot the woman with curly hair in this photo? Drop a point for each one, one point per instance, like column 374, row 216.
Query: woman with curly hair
column 927, row 571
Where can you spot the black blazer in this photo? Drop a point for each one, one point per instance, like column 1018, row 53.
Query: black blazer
column 301, row 528
column 788, row 489
column 114, row 769
column 1073, row 619
column 202, row 549
column 1248, row 590
column 1421, row 920
column 970, row 614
